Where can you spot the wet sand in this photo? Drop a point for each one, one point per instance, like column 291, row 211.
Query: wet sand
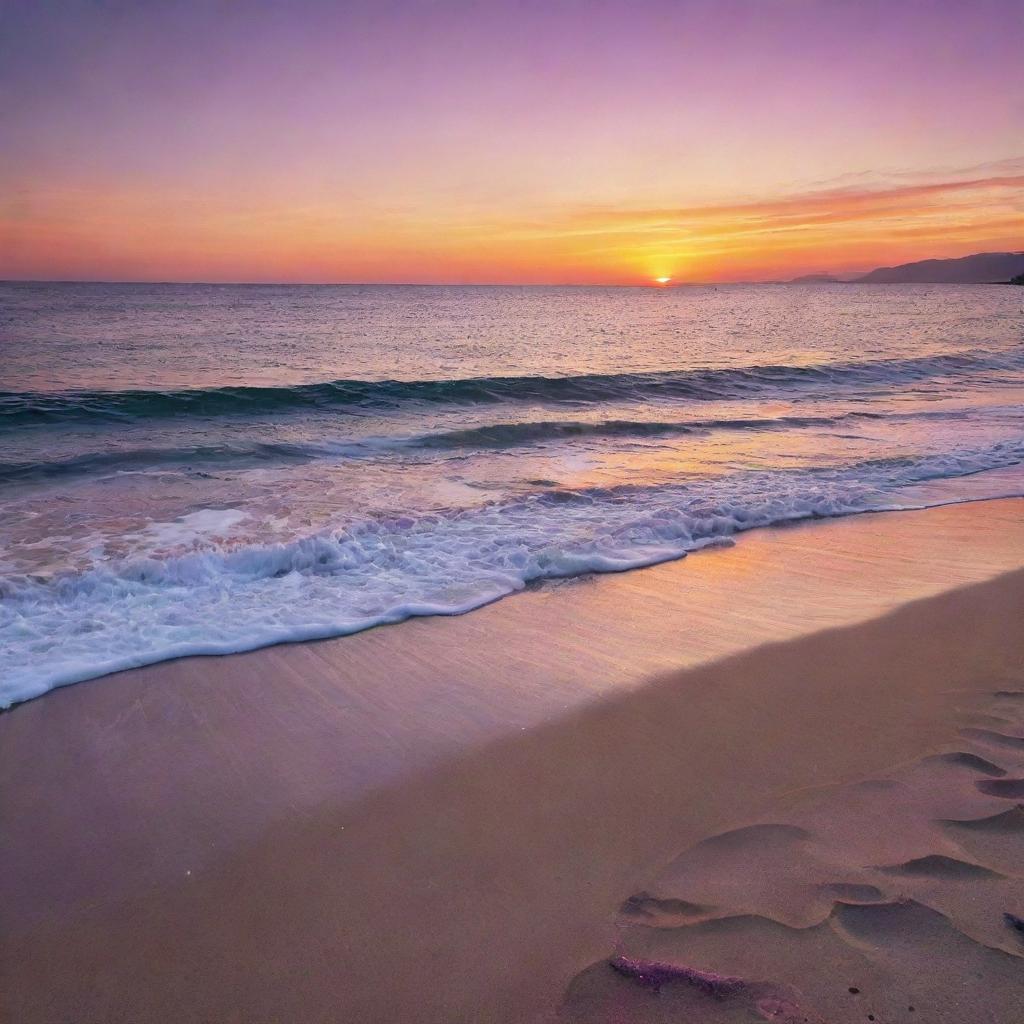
column 794, row 763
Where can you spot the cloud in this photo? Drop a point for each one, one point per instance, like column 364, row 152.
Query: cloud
column 825, row 206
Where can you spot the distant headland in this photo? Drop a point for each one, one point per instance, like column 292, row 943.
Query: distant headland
column 981, row 268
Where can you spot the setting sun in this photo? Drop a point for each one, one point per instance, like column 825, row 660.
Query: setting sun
column 662, row 280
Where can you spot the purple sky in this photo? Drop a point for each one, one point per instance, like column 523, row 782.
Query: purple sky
column 464, row 141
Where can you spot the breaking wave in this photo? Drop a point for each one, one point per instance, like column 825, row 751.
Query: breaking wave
column 225, row 599
column 22, row 408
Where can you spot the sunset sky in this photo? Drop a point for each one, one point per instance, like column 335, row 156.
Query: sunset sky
column 577, row 142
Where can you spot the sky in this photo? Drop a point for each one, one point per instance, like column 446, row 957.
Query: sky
column 506, row 142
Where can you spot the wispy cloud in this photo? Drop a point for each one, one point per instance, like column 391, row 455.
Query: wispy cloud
column 821, row 206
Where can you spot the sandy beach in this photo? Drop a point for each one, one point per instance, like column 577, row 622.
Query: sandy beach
column 778, row 781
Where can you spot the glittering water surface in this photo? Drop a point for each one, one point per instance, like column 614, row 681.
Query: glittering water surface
column 213, row 468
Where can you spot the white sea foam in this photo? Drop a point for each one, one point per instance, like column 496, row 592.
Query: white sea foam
column 194, row 528
column 220, row 600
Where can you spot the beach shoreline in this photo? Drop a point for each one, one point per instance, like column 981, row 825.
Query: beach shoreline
column 439, row 820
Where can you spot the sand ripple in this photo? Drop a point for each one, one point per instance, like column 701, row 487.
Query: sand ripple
column 892, row 898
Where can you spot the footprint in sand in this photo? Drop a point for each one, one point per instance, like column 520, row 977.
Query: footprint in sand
column 962, row 759
column 1005, row 821
column 1008, row 789
column 1000, row 739
column 846, row 892
column 643, row 908
column 937, row 866
column 996, row 840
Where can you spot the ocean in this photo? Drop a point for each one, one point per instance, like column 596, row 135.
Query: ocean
column 204, row 469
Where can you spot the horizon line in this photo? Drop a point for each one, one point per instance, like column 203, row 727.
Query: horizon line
column 390, row 284
column 653, row 286
column 836, row 277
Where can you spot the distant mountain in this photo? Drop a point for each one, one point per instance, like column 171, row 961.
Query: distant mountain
column 981, row 268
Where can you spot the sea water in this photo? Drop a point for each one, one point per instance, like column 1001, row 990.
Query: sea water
column 191, row 469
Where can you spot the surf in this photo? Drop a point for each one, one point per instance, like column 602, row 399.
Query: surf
column 84, row 406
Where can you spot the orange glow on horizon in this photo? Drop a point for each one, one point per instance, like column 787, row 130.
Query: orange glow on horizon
column 105, row 235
